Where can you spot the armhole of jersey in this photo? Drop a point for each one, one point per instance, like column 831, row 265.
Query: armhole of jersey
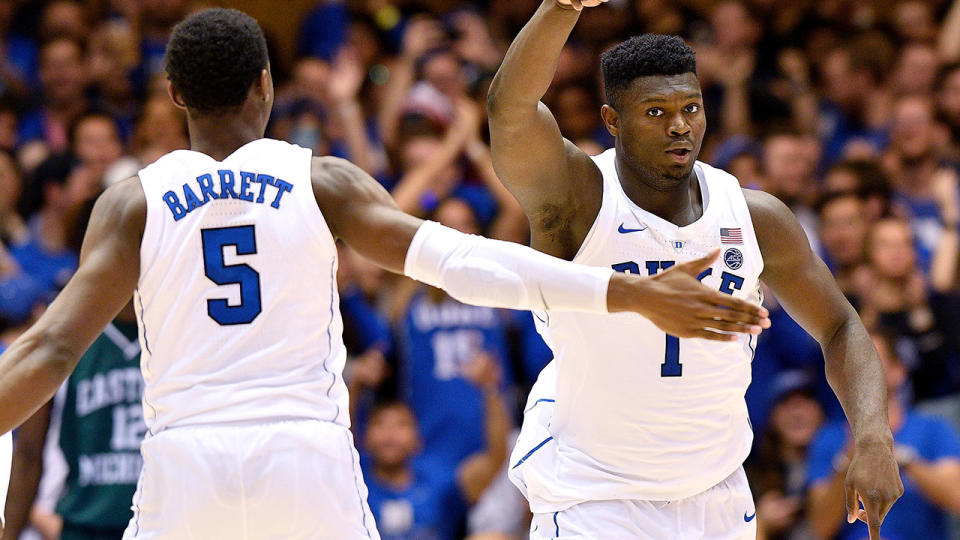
column 740, row 199
column 150, row 228
column 308, row 202
column 606, row 199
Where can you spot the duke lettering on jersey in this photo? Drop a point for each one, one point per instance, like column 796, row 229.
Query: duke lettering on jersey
column 728, row 282
column 226, row 187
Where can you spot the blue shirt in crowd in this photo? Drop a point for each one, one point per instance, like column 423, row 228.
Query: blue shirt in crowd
column 913, row 516
column 428, row 509
column 437, row 339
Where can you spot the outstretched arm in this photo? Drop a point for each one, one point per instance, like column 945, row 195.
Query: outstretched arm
column 487, row 272
column 806, row 289
column 542, row 169
column 35, row 365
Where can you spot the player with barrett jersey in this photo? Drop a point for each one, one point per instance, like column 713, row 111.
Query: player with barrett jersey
column 634, row 432
column 230, row 249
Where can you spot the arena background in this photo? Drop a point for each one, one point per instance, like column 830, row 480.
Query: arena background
column 847, row 110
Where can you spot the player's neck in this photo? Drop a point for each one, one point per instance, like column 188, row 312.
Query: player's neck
column 219, row 136
column 680, row 203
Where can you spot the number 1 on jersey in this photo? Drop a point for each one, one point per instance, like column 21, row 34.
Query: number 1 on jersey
column 245, row 240
column 671, row 366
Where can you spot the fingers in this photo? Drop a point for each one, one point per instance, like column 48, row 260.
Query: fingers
column 727, row 326
column 738, row 310
column 714, row 313
column 696, row 266
column 850, row 498
column 873, row 519
column 577, row 5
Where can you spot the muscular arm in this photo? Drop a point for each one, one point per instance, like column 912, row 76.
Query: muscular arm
column 806, row 289
column 551, row 178
column 488, row 272
column 38, row 362
column 27, row 470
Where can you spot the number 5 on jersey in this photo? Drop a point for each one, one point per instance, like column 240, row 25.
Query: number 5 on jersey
column 244, row 239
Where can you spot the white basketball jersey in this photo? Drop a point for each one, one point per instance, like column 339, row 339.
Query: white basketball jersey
column 640, row 414
column 237, row 300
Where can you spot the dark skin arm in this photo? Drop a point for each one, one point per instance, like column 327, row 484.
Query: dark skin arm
column 26, row 470
column 362, row 213
column 793, row 273
column 39, row 361
column 557, row 184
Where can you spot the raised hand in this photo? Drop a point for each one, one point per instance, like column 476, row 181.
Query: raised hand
column 346, row 76
column 873, row 479
column 421, row 35
column 681, row 306
column 483, row 372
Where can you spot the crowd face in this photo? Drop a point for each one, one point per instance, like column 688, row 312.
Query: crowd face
column 786, row 165
column 891, row 250
column 949, row 98
column 62, row 72
column 796, row 419
column 912, row 134
column 916, row 70
column 733, row 27
column 843, row 230
column 392, row 436
column 457, row 214
column 97, row 142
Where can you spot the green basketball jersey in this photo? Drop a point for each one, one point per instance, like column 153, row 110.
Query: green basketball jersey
column 102, row 429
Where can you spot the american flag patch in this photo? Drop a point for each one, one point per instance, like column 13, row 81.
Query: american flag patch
column 731, row 235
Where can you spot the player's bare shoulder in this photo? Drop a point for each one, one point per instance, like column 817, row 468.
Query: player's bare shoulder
column 124, row 204
column 779, row 234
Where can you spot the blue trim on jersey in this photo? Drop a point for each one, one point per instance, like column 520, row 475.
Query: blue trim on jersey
column 353, row 465
column 530, row 453
column 146, row 342
column 555, row 524
column 333, row 380
column 537, row 402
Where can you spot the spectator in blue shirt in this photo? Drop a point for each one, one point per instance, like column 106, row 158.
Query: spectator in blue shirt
column 439, row 337
column 928, row 452
column 415, row 502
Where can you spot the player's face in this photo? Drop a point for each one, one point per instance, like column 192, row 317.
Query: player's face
column 660, row 126
column 392, row 436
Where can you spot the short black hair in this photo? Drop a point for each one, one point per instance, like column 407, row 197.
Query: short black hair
column 641, row 56
column 214, row 57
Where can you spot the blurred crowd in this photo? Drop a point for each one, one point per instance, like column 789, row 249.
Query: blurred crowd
column 847, row 110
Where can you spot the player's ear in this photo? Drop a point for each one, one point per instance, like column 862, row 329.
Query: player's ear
column 175, row 96
column 611, row 119
column 266, row 84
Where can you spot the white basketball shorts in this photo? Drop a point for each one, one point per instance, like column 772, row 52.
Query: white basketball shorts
column 292, row 479
column 723, row 512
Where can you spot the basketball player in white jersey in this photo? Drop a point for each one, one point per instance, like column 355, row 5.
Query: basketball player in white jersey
column 228, row 249
column 633, row 432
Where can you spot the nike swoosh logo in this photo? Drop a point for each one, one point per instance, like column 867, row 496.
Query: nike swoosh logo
column 624, row 230
column 749, row 518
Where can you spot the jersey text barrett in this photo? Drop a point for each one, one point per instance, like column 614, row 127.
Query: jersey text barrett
column 226, row 188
